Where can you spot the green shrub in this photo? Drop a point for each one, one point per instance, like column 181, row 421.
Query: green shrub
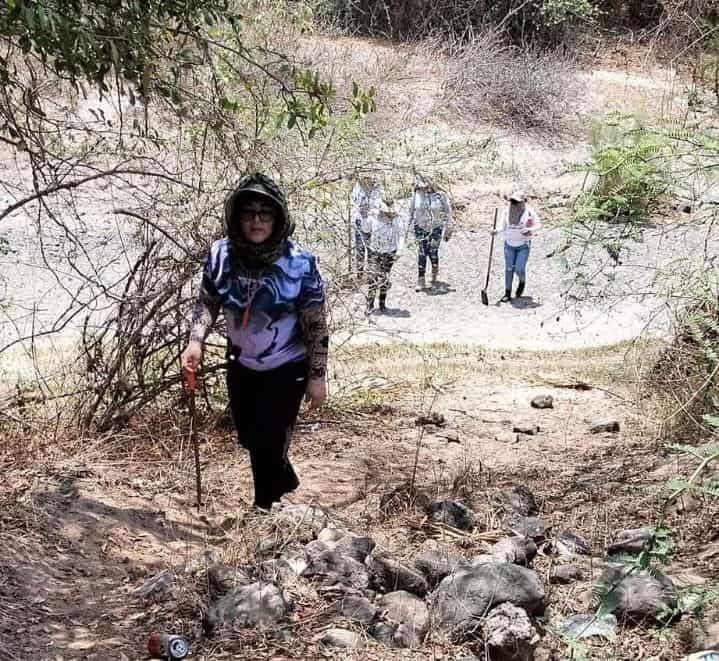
column 628, row 172
column 539, row 22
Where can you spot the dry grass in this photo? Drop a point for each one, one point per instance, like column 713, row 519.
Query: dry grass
column 524, row 89
column 107, row 512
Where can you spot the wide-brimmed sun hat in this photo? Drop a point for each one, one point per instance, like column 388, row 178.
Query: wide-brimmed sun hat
column 518, row 196
column 387, row 207
column 422, row 182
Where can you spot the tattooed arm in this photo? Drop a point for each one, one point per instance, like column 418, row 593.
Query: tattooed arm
column 314, row 330
column 204, row 313
column 316, row 336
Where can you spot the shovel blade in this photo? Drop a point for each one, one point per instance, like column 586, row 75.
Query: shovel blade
column 485, row 298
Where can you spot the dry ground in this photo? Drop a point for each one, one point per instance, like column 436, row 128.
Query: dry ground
column 86, row 521
column 86, row 526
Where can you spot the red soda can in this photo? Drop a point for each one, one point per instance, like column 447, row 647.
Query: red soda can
column 167, row 646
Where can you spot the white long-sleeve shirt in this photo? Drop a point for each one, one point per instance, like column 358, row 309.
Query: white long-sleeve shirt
column 522, row 233
column 365, row 203
column 430, row 210
column 387, row 233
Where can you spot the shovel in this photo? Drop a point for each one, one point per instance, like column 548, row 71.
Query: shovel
column 190, row 384
column 485, row 298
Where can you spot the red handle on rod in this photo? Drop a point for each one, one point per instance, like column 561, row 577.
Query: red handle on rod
column 190, row 377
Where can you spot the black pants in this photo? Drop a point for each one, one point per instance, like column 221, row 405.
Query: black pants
column 380, row 264
column 264, row 409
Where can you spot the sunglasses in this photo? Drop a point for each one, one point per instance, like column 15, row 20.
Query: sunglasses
column 247, row 215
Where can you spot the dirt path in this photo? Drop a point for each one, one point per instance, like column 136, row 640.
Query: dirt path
column 623, row 302
column 82, row 540
column 82, row 536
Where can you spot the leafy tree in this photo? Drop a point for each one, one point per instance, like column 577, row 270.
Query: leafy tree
column 87, row 40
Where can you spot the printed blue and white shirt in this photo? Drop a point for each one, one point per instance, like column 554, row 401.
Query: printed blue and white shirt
column 268, row 334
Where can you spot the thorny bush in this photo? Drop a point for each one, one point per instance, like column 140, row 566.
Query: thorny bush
column 519, row 88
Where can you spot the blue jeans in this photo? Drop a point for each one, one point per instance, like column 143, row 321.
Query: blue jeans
column 515, row 261
column 427, row 246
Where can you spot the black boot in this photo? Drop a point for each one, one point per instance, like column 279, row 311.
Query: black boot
column 370, row 305
column 507, row 296
column 520, row 289
column 382, row 303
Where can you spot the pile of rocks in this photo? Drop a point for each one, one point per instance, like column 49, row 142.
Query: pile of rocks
column 374, row 595
column 380, row 596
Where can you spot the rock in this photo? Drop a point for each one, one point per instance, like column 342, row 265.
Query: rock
column 451, row 437
column 543, row 402
column 634, row 540
column 316, row 547
column 222, row 578
column 254, row 605
column 268, row 546
column 304, row 522
column 505, row 437
column 710, row 552
column 519, row 550
column 711, row 627
column 685, row 206
column 383, row 632
column 586, row 626
column 341, row 638
column 452, row 513
column 467, row 658
column 357, row 548
column 356, row 608
column 335, row 569
column 157, row 588
column 406, row 636
column 201, row 562
column 604, row 425
column 330, row 536
column 517, row 499
column 509, row 634
column 700, row 633
column 684, row 503
column 389, row 574
column 462, row 599
column 435, row 418
column 331, row 539
column 569, row 542
column 295, row 561
column 435, row 565
column 406, row 609
column 564, row 574
column 528, row 430
column 526, row 526
column 482, row 559
column 637, row 594
column 284, row 570
column 403, row 497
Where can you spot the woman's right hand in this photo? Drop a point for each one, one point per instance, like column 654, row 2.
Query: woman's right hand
column 191, row 356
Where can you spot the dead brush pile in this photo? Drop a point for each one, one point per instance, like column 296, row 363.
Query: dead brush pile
column 520, row 88
column 685, row 375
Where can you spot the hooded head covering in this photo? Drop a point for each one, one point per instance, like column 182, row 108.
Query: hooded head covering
column 257, row 255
